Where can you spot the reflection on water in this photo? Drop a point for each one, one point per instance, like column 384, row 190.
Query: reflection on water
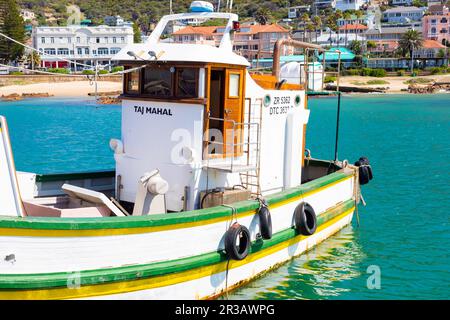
column 313, row 275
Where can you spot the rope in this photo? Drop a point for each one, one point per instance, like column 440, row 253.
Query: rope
column 42, row 72
column 42, row 53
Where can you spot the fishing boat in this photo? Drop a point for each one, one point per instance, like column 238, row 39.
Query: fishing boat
column 212, row 185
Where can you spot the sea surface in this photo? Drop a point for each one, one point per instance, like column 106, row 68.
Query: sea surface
column 403, row 238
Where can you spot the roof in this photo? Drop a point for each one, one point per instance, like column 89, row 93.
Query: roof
column 437, row 8
column 333, row 55
column 432, row 44
column 392, row 30
column 356, row 26
column 252, row 29
column 181, row 52
column 404, row 9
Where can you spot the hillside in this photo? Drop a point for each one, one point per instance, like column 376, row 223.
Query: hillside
column 144, row 12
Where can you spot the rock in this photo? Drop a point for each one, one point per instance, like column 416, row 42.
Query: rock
column 37, row 95
column 108, row 100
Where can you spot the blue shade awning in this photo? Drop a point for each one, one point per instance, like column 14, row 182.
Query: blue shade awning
column 333, row 55
column 283, row 59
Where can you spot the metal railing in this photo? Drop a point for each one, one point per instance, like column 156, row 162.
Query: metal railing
column 233, row 145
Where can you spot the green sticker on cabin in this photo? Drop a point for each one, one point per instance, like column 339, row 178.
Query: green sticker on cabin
column 267, row 100
column 297, row 100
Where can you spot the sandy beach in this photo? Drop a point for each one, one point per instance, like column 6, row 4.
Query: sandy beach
column 62, row 89
column 394, row 84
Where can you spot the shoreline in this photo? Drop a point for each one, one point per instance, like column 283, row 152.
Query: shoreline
column 393, row 85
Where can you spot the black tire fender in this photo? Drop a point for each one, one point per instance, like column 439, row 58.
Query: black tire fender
column 237, row 242
column 305, row 219
column 265, row 222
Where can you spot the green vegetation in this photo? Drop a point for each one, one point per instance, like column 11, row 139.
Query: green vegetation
column 147, row 12
column 103, row 72
column 88, row 72
column 59, row 70
column 11, row 24
column 116, row 69
column 418, row 81
column 16, row 73
column 411, row 40
column 440, row 70
column 372, row 82
column 329, row 79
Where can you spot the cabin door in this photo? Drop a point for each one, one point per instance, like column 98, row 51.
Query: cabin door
column 233, row 111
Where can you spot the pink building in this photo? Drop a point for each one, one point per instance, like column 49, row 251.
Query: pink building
column 436, row 24
column 251, row 41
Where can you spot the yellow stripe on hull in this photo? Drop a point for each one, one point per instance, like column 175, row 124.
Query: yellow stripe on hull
column 18, row 232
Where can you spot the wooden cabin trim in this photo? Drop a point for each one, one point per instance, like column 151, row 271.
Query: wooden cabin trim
column 201, row 101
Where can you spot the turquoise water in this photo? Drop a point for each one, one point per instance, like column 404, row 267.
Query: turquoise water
column 404, row 230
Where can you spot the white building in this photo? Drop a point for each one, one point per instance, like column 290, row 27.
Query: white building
column 403, row 14
column 323, row 4
column 345, row 5
column 116, row 21
column 401, row 2
column 27, row 15
column 83, row 44
column 297, row 11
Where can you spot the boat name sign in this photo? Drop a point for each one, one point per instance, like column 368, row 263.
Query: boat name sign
column 153, row 110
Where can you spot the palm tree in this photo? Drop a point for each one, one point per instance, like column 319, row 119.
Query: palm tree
column 263, row 15
column 317, row 24
column 410, row 41
column 305, row 18
column 310, row 28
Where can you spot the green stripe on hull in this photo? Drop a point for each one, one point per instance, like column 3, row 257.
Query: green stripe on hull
column 164, row 219
column 129, row 273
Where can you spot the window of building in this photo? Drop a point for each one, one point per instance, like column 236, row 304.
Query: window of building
column 122, row 39
column 158, row 81
column 132, row 82
column 69, row 40
column 80, row 51
column 63, row 51
column 86, row 50
column 187, row 83
column 43, row 40
column 50, row 51
column 94, row 52
column 114, row 40
column 52, row 40
column 97, row 40
column 106, row 39
column 103, row 51
column 114, row 50
column 78, row 39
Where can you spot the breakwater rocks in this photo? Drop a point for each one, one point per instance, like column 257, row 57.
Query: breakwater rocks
column 429, row 88
column 16, row 96
column 108, row 100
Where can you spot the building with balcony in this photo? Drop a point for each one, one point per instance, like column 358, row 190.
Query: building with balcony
column 367, row 20
column 323, row 4
column 252, row 41
column 389, row 33
column 82, row 44
column 345, row 5
column 403, row 14
column 297, row 11
column 436, row 24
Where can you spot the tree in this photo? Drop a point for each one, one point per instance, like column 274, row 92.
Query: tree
column 355, row 47
column 317, row 24
column 263, row 15
column 11, row 24
column 137, row 33
column 410, row 41
column 34, row 59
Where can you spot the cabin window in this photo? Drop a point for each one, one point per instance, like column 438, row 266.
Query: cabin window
column 187, row 83
column 132, row 82
column 234, row 81
column 158, row 82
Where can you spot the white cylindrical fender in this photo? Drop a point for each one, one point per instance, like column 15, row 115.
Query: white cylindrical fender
column 116, row 145
column 157, row 185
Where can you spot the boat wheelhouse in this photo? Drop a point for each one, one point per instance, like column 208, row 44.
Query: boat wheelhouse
column 212, row 185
